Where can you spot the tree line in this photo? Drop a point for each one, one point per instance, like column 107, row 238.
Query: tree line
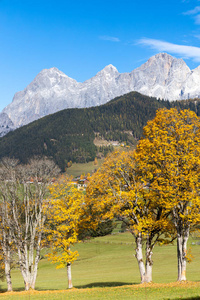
column 154, row 190
column 68, row 135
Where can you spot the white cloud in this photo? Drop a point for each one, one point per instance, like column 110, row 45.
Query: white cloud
column 109, row 38
column 194, row 11
column 195, row 14
column 197, row 19
column 181, row 50
column 197, row 36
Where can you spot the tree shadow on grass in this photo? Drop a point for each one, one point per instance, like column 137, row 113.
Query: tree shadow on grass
column 38, row 289
column 104, row 284
column 187, row 298
column 3, row 291
column 91, row 285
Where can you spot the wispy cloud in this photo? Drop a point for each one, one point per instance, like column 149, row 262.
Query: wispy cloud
column 197, row 19
column 109, row 38
column 194, row 11
column 181, row 50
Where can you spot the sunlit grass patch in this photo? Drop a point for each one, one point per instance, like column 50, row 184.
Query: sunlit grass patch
column 107, row 269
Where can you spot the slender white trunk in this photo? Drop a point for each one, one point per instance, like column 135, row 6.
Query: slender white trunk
column 69, row 275
column 28, row 259
column 8, row 275
column 5, row 244
column 139, row 257
column 34, row 270
column 25, row 268
column 33, row 278
column 7, row 261
column 26, row 284
column 182, row 238
column 179, row 256
column 148, row 277
column 29, row 266
column 149, row 264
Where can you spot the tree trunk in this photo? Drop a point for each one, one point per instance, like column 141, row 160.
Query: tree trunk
column 24, row 268
column 149, row 264
column 34, row 272
column 29, row 269
column 139, row 256
column 8, row 275
column 182, row 238
column 27, row 285
column 6, row 248
column 179, row 256
column 69, row 275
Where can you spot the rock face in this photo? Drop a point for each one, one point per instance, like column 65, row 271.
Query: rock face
column 162, row 76
column 6, row 124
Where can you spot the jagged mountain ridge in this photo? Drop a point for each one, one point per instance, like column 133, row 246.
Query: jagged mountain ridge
column 162, row 76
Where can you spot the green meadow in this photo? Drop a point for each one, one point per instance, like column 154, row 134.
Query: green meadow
column 107, row 269
column 79, row 168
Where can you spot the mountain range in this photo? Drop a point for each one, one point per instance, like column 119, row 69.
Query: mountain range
column 81, row 134
column 162, row 76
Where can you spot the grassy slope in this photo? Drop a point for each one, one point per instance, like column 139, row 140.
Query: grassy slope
column 105, row 264
column 77, row 168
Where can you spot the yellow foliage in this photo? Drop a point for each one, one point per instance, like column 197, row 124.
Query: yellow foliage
column 63, row 213
column 169, row 160
column 116, row 190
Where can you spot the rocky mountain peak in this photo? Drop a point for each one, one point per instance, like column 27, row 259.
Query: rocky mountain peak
column 52, row 72
column 162, row 76
column 109, row 70
column 53, row 75
column 163, row 56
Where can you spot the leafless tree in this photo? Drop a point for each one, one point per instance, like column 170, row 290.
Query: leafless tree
column 24, row 191
column 7, row 177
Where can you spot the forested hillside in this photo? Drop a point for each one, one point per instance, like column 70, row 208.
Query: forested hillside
column 68, row 135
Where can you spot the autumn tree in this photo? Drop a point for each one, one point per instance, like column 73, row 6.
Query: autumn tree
column 116, row 191
column 63, row 216
column 23, row 193
column 169, row 160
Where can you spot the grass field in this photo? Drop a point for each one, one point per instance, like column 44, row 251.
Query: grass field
column 189, row 291
column 107, row 269
column 77, row 169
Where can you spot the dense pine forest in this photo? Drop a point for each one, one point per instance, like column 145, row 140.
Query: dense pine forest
column 68, row 135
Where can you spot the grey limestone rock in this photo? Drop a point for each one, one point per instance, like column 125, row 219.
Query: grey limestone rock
column 162, row 76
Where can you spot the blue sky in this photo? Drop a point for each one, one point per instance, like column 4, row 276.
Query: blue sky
column 81, row 37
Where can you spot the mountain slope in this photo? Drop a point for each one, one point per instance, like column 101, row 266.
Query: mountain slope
column 68, row 135
column 6, row 125
column 162, row 76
